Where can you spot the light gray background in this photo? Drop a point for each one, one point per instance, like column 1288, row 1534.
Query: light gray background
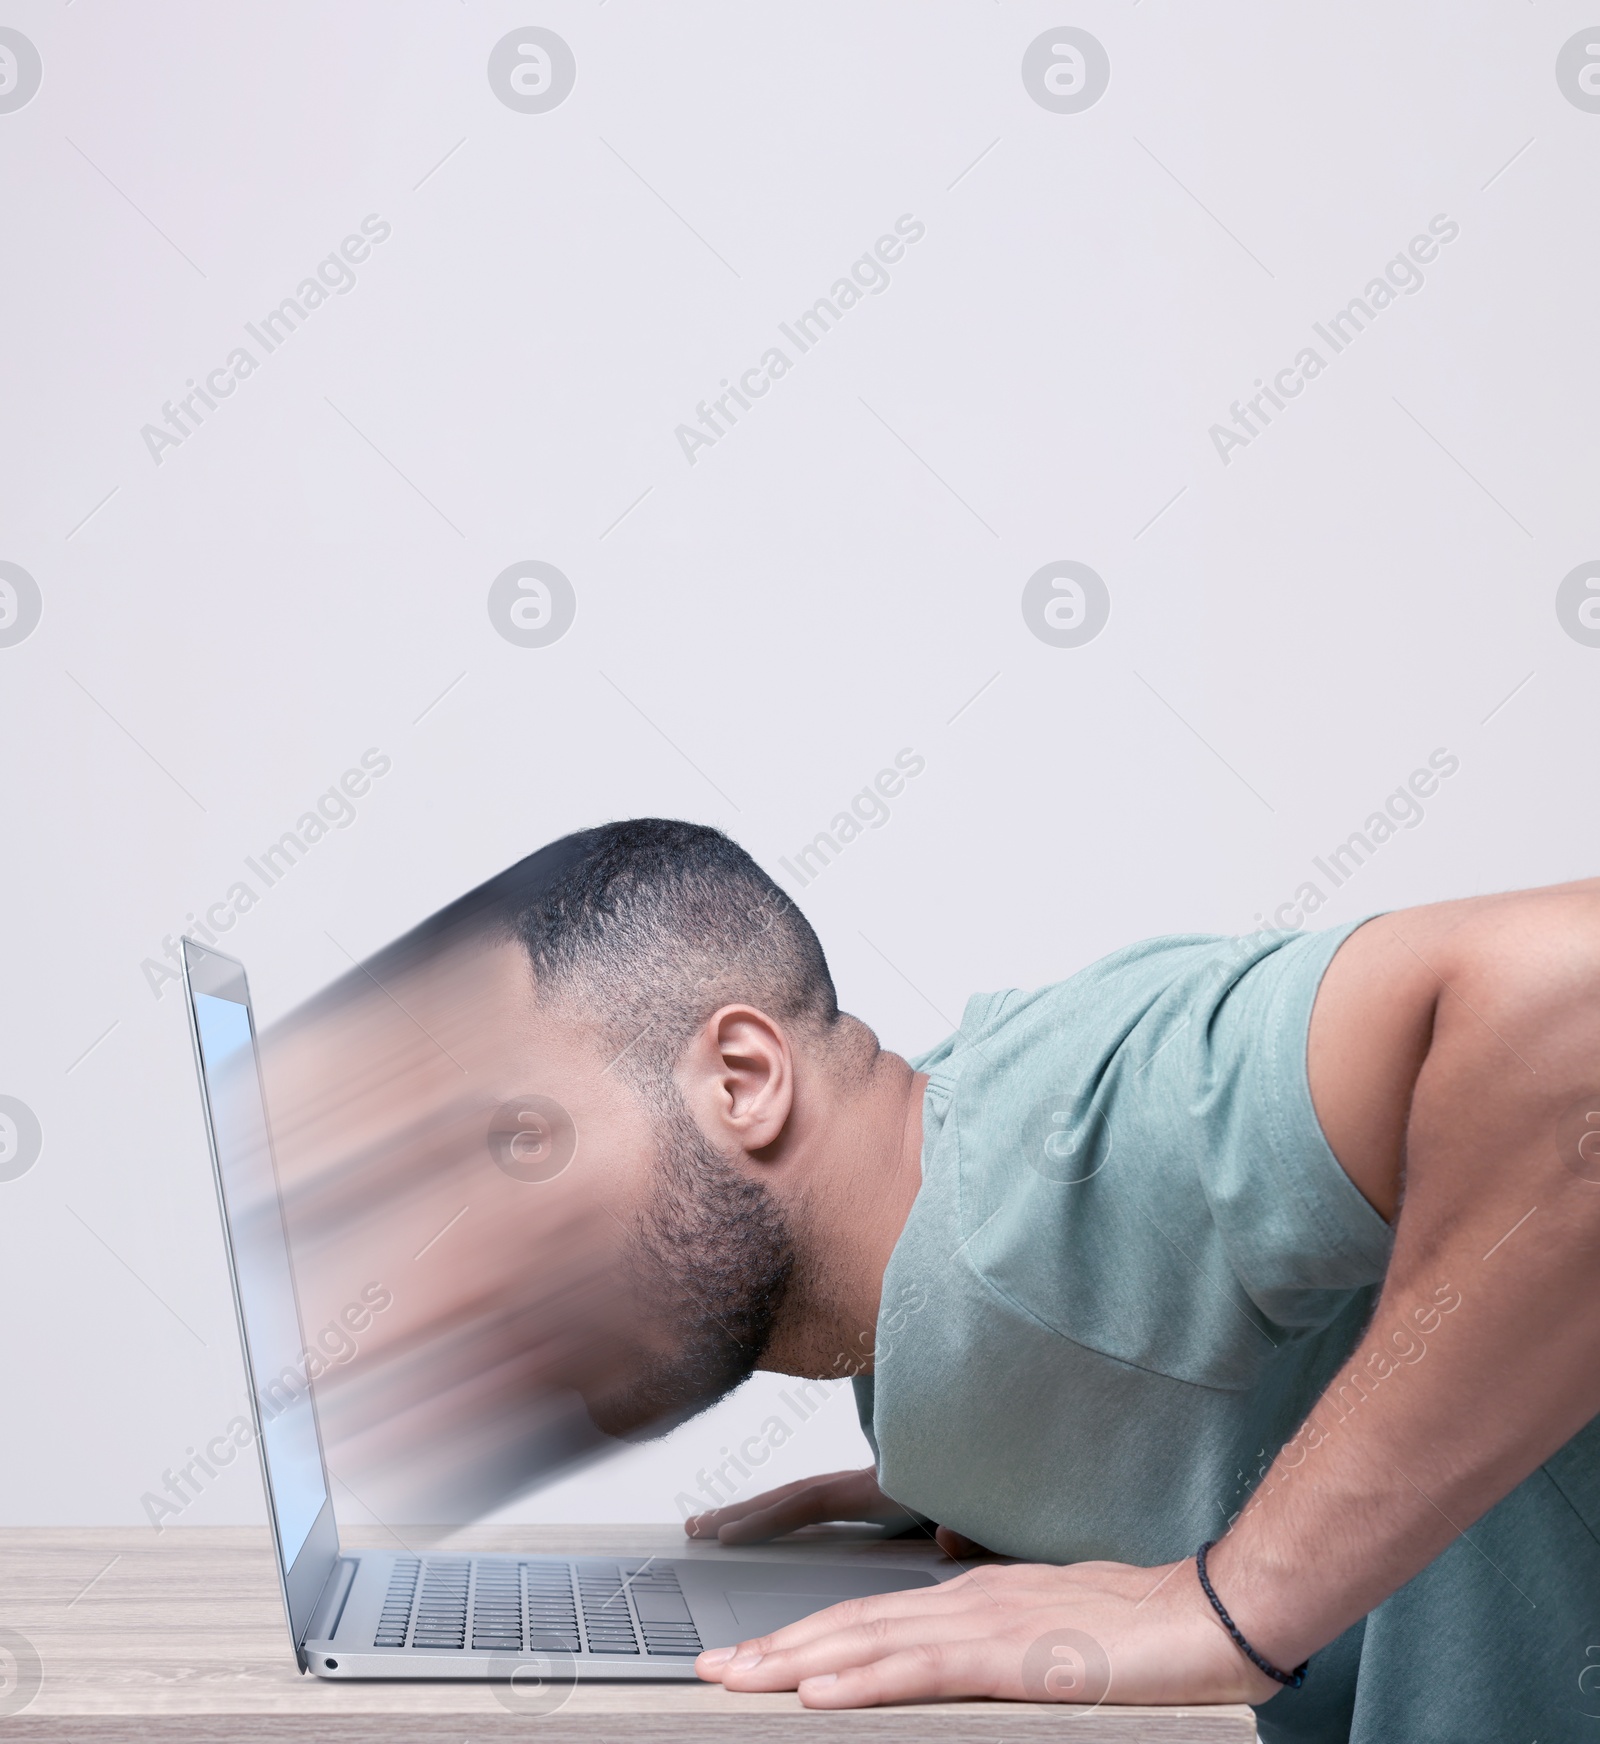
column 758, row 634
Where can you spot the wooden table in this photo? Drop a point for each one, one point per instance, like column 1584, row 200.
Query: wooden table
column 181, row 1635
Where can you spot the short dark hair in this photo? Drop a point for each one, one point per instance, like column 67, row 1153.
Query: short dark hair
column 643, row 928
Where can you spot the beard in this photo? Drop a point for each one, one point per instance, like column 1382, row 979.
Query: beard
column 713, row 1260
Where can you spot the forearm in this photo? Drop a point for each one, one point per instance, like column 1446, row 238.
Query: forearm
column 1483, row 1356
column 1418, row 1436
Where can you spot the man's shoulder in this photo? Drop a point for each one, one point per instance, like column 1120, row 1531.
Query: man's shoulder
column 1176, row 967
column 1163, row 1086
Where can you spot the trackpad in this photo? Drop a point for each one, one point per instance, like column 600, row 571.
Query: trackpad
column 734, row 1600
column 761, row 1613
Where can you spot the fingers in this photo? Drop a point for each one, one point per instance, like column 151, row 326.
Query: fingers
column 986, row 1590
column 852, row 1495
column 847, row 1633
column 706, row 1525
column 805, row 1509
column 947, row 1671
column 979, row 1596
column 847, row 1490
column 844, row 1650
column 838, row 1498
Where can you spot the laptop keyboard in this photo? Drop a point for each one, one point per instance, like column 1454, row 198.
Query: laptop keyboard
column 505, row 1606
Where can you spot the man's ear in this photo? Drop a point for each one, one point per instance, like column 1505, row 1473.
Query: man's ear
column 737, row 1076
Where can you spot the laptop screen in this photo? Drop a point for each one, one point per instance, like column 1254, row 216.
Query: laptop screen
column 275, row 1353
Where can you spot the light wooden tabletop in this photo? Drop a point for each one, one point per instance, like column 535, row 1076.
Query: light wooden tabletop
column 181, row 1635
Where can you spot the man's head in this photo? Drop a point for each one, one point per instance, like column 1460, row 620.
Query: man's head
column 643, row 933
column 638, row 931
column 738, row 1158
column 672, row 996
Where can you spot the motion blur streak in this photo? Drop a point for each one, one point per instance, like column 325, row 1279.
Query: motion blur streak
column 508, row 1308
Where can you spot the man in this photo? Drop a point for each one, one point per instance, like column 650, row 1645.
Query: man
column 1291, row 1243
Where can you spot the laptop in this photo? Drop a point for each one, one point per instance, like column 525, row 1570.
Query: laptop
column 433, row 1614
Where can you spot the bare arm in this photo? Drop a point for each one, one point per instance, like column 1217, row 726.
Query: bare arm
column 1483, row 1356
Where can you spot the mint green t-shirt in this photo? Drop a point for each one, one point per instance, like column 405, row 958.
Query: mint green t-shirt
column 1132, row 1267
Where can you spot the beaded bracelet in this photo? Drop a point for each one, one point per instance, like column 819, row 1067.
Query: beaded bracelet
column 1289, row 1679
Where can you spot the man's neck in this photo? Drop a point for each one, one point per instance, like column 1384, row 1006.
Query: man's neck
column 853, row 1194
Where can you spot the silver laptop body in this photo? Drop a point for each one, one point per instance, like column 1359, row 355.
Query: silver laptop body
column 435, row 1614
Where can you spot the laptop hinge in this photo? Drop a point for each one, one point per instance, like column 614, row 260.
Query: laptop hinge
column 329, row 1608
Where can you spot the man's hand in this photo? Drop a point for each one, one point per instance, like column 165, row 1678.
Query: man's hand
column 1093, row 1632
column 844, row 1495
